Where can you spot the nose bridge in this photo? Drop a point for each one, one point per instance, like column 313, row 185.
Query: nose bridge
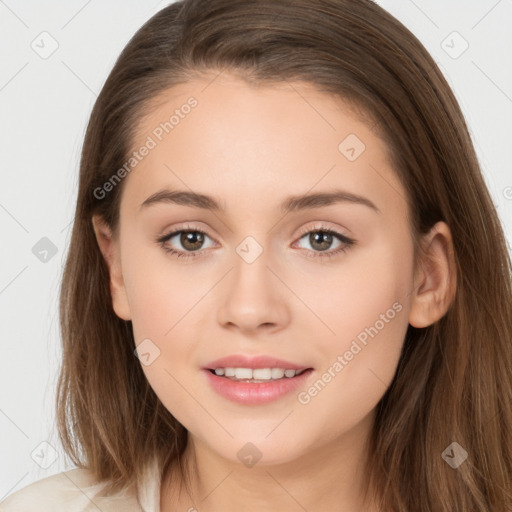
column 253, row 295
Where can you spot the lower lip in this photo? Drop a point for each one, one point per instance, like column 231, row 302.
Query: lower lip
column 252, row 393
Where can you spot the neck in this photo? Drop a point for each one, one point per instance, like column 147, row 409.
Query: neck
column 329, row 477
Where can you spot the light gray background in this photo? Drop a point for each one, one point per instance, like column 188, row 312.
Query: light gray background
column 44, row 107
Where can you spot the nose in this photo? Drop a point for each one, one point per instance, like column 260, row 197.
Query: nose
column 253, row 297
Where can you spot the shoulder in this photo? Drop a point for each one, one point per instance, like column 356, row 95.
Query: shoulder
column 70, row 491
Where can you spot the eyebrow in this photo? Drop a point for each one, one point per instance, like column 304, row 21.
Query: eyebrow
column 290, row 204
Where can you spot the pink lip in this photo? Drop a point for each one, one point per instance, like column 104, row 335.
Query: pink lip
column 254, row 393
column 254, row 362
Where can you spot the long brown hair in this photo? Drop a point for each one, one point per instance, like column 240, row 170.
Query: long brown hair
column 454, row 379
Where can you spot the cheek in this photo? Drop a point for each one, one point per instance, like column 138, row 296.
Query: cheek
column 160, row 292
column 364, row 303
column 351, row 296
column 162, row 299
column 355, row 376
column 165, row 299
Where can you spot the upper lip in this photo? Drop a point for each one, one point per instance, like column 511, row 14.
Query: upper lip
column 254, row 362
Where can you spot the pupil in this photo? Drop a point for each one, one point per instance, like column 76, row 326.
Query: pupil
column 322, row 235
column 192, row 237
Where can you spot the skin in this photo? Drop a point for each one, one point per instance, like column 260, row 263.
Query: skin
column 252, row 147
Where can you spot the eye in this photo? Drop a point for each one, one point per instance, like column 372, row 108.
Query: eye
column 190, row 239
column 321, row 238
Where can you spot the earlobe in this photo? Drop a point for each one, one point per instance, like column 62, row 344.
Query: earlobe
column 435, row 278
column 110, row 250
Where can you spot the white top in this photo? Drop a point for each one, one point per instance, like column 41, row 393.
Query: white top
column 75, row 490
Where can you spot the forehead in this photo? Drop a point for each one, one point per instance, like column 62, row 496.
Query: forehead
column 221, row 136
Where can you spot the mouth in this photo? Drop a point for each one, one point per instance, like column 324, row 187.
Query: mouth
column 257, row 375
column 256, row 386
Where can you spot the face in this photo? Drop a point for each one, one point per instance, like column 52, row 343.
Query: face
column 324, row 285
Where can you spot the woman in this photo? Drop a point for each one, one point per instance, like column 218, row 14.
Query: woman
column 211, row 359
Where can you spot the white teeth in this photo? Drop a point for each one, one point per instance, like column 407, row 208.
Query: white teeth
column 243, row 373
column 278, row 373
column 260, row 374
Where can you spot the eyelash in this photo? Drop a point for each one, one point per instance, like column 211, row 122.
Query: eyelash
column 320, row 254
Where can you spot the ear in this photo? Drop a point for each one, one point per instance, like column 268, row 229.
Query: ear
column 109, row 247
column 435, row 277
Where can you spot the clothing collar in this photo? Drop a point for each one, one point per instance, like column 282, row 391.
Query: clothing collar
column 148, row 490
